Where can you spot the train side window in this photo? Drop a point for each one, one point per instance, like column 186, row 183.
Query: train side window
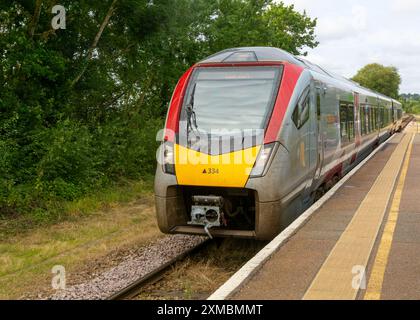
column 343, row 122
column 382, row 117
column 301, row 114
column 350, row 121
column 306, row 107
column 366, row 111
column 318, row 106
column 379, row 117
column 374, row 118
column 368, row 129
column 372, row 110
column 362, row 120
column 385, row 117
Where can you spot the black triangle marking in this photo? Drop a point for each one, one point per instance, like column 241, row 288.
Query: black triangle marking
column 205, row 171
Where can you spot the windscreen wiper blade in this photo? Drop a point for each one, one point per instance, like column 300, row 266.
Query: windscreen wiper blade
column 191, row 116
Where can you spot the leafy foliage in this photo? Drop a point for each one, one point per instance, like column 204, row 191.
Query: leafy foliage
column 385, row 80
column 411, row 103
column 410, row 96
column 80, row 107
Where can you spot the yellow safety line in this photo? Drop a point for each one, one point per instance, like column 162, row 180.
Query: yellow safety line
column 377, row 276
column 336, row 277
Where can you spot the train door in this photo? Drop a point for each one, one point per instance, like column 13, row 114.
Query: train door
column 313, row 142
column 357, row 126
column 319, row 96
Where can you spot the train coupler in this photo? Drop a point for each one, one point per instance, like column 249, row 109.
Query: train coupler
column 207, row 211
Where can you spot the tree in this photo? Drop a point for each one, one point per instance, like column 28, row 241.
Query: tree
column 236, row 23
column 385, row 80
column 410, row 96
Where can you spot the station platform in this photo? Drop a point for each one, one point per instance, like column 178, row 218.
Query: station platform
column 362, row 243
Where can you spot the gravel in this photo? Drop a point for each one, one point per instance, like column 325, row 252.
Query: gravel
column 134, row 267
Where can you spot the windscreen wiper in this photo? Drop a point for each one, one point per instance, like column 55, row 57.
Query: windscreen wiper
column 191, row 116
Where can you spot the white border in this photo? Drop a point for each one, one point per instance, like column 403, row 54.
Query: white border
column 253, row 265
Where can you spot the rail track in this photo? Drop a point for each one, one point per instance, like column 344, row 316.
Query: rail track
column 135, row 288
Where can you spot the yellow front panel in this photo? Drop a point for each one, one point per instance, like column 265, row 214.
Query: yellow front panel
column 228, row 170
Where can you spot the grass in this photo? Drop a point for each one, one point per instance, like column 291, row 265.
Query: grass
column 60, row 211
column 88, row 230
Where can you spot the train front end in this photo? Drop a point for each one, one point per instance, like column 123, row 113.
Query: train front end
column 217, row 163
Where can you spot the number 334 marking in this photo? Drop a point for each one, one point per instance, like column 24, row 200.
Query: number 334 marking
column 211, row 171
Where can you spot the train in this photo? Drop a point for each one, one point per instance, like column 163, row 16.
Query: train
column 255, row 135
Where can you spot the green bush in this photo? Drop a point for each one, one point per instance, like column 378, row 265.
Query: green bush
column 70, row 160
column 127, row 148
column 6, row 178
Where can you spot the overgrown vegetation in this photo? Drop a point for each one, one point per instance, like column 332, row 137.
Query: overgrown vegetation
column 80, row 107
column 411, row 103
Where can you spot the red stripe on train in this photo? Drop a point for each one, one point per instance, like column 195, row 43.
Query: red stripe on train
column 172, row 122
column 290, row 78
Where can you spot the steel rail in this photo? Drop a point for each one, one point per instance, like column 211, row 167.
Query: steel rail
column 136, row 287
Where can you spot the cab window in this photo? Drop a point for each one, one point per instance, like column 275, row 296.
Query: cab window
column 301, row 114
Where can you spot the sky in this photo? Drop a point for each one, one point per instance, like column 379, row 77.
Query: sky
column 353, row 33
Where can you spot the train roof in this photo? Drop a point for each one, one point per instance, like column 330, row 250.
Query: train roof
column 252, row 54
column 270, row 54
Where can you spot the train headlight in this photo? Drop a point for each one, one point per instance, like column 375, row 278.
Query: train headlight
column 168, row 158
column 263, row 161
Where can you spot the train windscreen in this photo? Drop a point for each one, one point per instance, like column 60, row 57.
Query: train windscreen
column 231, row 98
